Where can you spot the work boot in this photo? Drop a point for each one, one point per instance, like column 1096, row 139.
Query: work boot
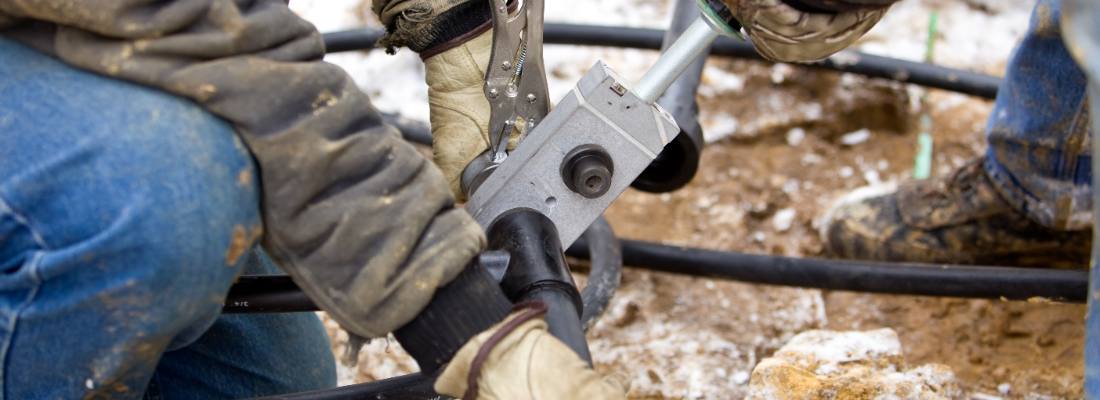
column 959, row 219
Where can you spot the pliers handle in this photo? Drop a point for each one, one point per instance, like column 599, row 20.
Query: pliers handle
column 515, row 82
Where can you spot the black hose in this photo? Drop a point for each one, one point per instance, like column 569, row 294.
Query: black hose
column 266, row 294
column 955, row 80
column 606, row 271
column 862, row 276
column 278, row 293
column 405, row 387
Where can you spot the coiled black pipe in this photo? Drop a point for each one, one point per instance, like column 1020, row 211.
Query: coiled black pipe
column 862, row 276
column 955, row 80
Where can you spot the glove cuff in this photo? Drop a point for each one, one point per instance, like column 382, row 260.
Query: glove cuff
column 457, row 26
column 834, row 6
column 466, row 306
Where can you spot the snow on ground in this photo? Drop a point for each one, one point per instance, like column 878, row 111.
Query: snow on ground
column 974, row 34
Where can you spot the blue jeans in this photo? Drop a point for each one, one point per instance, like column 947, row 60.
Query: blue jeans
column 125, row 215
column 1039, row 153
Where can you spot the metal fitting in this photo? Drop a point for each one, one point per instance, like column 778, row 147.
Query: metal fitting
column 476, row 172
column 587, row 170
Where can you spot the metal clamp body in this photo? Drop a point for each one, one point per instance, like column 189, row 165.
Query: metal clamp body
column 599, row 111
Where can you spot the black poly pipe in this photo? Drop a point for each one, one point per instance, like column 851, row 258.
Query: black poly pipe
column 537, row 272
column 266, row 294
column 278, row 293
column 862, row 276
column 405, row 387
column 955, row 80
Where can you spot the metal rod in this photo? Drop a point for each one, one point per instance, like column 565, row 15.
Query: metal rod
column 696, row 40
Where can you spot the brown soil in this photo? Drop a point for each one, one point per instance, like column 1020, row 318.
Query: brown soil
column 1034, row 348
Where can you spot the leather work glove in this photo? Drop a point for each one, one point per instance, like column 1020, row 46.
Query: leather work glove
column 459, row 109
column 518, row 359
column 805, row 30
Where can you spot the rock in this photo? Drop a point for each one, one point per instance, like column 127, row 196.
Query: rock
column 783, row 219
column 856, row 137
column 852, row 365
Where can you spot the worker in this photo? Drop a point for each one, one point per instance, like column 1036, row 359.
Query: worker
column 154, row 151
column 1026, row 200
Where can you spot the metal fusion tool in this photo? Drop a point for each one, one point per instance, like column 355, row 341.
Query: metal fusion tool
column 575, row 161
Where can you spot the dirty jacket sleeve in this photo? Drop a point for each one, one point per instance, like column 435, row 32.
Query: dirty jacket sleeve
column 363, row 223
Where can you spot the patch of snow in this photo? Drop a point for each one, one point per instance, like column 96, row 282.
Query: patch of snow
column 720, row 126
column 718, row 81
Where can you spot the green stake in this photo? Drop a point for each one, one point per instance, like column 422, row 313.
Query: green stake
column 922, row 164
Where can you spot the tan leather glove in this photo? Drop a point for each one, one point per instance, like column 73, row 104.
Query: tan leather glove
column 459, row 110
column 780, row 32
column 518, row 359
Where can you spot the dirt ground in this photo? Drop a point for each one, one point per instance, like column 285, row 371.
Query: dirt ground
column 787, row 149
column 746, row 185
column 684, row 337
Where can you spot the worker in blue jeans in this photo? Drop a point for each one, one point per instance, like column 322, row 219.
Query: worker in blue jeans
column 1027, row 201
column 68, row 221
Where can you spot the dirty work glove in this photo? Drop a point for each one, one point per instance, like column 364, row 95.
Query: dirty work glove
column 459, row 109
column 454, row 38
column 518, row 359
column 805, row 30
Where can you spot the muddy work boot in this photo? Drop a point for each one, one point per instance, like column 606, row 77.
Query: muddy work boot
column 958, row 219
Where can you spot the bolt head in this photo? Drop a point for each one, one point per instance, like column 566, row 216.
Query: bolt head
column 507, row 65
column 531, row 98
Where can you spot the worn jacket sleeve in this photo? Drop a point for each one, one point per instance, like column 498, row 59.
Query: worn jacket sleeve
column 363, row 223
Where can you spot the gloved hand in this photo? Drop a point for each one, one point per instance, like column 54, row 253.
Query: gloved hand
column 518, row 359
column 782, row 32
column 459, row 109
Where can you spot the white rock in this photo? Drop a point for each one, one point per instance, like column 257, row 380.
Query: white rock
column 795, row 136
column 783, row 219
column 823, row 364
column 856, row 137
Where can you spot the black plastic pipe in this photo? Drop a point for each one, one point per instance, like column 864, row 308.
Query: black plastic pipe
column 955, row 80
column 537, row 272
column 278, row 293
column 405, row 387
column 862, row 276
column 266, row 294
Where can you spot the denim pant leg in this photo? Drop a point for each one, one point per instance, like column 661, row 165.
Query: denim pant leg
column 125, row 215
column 1082, row 35
column 1039, row 141
column 247, row 355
